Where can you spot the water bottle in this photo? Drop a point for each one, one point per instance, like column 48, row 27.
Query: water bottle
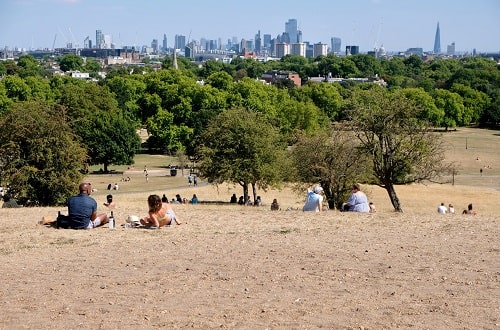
column 111, row 221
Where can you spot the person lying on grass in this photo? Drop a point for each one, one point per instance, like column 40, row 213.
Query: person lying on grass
column 160, row 214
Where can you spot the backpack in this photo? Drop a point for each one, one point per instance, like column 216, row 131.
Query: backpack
column 62, row 221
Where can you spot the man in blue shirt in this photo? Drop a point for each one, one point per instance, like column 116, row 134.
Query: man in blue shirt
column 82, row 210
column 314, row 201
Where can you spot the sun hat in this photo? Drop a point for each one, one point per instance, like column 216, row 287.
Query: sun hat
column 317, row 190
column 133, row 219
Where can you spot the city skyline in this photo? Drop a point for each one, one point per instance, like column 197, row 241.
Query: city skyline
column 395, row 25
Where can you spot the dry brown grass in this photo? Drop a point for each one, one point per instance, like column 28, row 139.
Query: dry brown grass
column 235, row 267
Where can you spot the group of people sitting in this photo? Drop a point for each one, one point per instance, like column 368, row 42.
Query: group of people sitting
column 451, row 210
column 82, row 211
column 357, row 201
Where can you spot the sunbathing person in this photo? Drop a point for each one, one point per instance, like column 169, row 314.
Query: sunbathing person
column 160, row 214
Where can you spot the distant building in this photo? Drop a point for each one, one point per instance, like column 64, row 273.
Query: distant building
column 282, row 49
column 351, row 50
column 291, row 30
column 180, row 41
column 415, row 51
column 154, row 45
column 164, row 44
column 450, row 49
column 320, row 49
column 336, row 45
column 437, row 41
column 298, row 48
column 275, row 75
column 99, row 39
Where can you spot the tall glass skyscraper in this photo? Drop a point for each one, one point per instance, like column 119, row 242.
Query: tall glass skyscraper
column 437, row 41
column 292, row 30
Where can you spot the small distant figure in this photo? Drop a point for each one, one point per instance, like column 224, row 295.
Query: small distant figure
column 249, row 201
column 274, row 205
column 314, row 201
column 147, row 177
column 234, row 199
column 190, row 180
column 145, row 169
column 241, row 201
column 258, row 201
column 194, row 199
column 164, row 199
column 481, row 171
column 178, row 199
column 442, row 209
column 116, row 186
column 357, row 201
column 110, row 186
column 373, row 209
column 469, row 210
column 195, row 180
column 451, row 209
column 9, row 202
column 110, row 204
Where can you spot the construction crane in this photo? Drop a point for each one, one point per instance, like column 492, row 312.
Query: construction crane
column 54, row 43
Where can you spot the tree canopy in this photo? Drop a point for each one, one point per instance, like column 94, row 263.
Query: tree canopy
column 240, row 146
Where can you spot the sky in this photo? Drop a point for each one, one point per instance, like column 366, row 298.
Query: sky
column 394, row 24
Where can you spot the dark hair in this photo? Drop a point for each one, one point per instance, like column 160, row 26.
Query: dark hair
column 109, row 198
column 154, row 202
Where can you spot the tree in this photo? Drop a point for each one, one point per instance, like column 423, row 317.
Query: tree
column 241, row 147
column 331, row 159
column 401, row 147
column 110, row 137
column 71, row 62
column 28, row 66
column 40, row 156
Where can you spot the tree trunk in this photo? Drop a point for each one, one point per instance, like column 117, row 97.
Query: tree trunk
column 245, row 192
column 254, row 192
column 394, row 197
column 105, row 167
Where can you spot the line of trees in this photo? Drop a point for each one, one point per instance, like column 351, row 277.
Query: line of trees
column 183, row 109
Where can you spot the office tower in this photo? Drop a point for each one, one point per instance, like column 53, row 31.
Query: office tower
column 299, row 36
column 267, row 41
column 107, row 41
column 298, row 48
column 258, row 43
column 99, row 39
column 87, row 43
column 320, row 49
column 154, row 45
column 450, row 50
column 165, row 45
column 291, row 30
column 180, row 41
column 437, row 41
column 282, row 49
column 336, row 45
column 351, row 50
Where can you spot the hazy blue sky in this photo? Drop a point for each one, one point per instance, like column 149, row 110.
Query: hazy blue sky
column 395, row 24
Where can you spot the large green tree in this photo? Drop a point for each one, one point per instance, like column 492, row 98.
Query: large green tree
column 40, row 156
column 402, row 148
column 110, row 137
column 240, row 146
column 332, row 159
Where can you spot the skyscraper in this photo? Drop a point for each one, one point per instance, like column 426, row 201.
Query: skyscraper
column 99, row 39
column 437, row 41
column 165, row 46
column 336, row 45
column 291, row 30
